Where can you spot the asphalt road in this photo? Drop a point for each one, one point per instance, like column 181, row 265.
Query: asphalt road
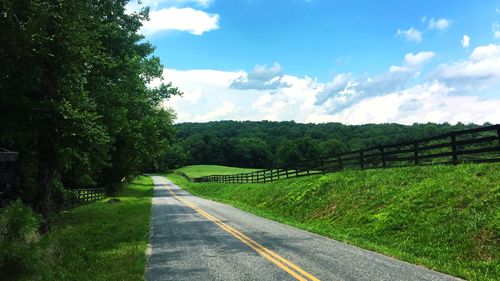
column 198, row 239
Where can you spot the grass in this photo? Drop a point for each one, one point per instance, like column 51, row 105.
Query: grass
column 195, row 171
column 103, row 241
column 446, row 218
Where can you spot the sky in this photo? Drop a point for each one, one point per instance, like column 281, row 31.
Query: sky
column 316, row 61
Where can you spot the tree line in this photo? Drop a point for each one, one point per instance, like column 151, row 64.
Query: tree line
column 76, row 100
column 268, row 144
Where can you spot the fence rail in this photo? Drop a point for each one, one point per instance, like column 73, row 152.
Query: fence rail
column 478, row 145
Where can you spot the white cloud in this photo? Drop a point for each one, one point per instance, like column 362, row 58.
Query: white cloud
column 482, row 68
column 136, row 5
column 261, row 78
column 465, row 41
column 223, row 112
column 451, row 93
column 418, row 59
column 496, row 30
column 440, row 24
column 396, row 68
column 183, row 19
column 411, row 34
column 428, row 102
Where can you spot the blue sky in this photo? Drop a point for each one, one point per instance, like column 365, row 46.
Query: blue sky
column 322, row 61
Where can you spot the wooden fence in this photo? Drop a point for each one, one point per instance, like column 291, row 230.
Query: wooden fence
column 261, row 176
column 467, row 146
column 477, row 145
column 83, row 196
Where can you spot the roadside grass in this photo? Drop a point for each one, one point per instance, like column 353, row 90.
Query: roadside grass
column 103, row 241
column 195, row 171
column 446, row 218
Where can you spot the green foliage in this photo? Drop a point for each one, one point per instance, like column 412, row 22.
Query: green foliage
column 444, row 217
column 281, row 144
column 76, row 97
column 92, row 242
column 21, row 255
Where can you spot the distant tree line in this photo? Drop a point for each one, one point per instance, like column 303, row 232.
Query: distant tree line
column 280, row 144
column 75, row 98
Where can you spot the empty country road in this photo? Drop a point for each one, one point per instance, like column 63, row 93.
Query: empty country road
column 197, row 239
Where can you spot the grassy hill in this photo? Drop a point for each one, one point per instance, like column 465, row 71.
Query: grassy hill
column 206, row 170
column 443, row 217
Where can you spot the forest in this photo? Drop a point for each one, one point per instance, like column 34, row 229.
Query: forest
column 266, row 144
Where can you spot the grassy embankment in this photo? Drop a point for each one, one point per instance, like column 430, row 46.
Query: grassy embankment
column 103, row 241
column 195, row 171
column 443, row 217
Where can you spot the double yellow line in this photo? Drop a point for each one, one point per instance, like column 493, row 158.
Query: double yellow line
column 278, row 260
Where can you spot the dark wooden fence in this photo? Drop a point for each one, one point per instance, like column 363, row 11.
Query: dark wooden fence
column 261, row 176
column 467, row 146
column 477, row 145
column 83, row 196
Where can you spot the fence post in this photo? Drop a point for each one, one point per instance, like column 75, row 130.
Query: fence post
column 361, row 160
column 321, row 165
column 286, row 171
column 454, row 147
column 382, row 156
column 339, row 158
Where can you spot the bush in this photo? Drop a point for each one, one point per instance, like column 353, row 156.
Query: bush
column 20, row 247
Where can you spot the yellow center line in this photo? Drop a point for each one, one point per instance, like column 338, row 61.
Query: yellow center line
column 273, row 257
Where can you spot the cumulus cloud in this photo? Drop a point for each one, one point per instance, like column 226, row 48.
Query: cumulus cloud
column 261, row 78
column 411, row 34
column 344, row 90
column 427, row 102
column 465, row 41
column 452, row 92
column 419, row 58
column 136, row 5
column 481, row 68
column 182, row 19
column 496, row 30
column 439, row 24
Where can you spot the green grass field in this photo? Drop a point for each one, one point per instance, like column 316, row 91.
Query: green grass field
column 446, row 218
column 195, row 171
column 103, row 241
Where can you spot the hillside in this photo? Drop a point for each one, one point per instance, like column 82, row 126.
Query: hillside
column 205, row 170
column 444, row 217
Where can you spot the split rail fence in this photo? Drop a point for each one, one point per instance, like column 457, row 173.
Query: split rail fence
column 478, row 145
column 83, row 196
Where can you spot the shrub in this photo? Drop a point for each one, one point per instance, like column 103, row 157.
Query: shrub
column 20, row 247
